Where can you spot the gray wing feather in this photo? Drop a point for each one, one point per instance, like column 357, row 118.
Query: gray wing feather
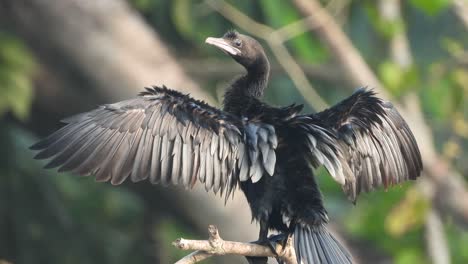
column 165, row 136
column 363, row 142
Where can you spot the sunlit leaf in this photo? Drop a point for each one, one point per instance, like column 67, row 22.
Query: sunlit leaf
column 16, row 69
column 451, row 149
column 385, row 27
column 457, row 238
column 441, row 97
column 409, row 214
column 430, row 7
column 182, row 16
column 397, row 79
column 410, row 256
column 391, row 74
column 453, row 46
column 282, row 13
column 460, row 125
column 461, row 78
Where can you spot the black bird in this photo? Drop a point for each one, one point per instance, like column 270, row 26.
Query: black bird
column 167, row 137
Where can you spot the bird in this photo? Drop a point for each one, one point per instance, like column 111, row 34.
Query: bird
column 269, row 152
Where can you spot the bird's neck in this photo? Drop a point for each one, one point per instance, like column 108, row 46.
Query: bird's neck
column 246, row 87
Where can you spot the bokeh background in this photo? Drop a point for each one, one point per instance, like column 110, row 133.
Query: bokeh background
column 61, row 57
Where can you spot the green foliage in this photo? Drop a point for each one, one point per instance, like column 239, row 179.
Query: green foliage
column 410, row 256
column 392, row 221
column 431, row 7
column 384, row 27
column 458, row 240
column 142, row 5
column 64, row 219
column 396, row 79
column 281, row 13
column 167, row 230
column 444, row 94
column 182, row 16
column 61, row 218
column 368, row 220
column 16, row 69
column 410, row 213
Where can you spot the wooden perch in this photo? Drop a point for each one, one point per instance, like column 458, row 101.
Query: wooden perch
column 215, row 245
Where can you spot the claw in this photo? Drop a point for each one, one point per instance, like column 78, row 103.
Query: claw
column 273, row 241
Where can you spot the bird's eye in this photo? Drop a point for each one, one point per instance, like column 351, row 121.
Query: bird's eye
column 238, row 42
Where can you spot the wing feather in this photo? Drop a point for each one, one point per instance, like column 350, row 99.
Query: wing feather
column 155, row 161
column 166, row 137
column 363, row 142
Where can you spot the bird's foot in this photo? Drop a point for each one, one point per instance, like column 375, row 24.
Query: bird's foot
column 271, row 242
column 281, row 239
column 274, row 240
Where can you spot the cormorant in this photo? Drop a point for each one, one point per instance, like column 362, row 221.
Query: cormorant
column 167, row 137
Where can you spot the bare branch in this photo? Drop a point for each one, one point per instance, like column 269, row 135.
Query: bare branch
column 460, row 8
column 333, row 37
column 90, row 51
column 215, row 245
column 209, row 68
column 390, row 11
column 436, row 240
column 400, row 53
column 439, row 173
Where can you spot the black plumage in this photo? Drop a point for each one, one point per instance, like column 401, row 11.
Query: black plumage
column 170, row 138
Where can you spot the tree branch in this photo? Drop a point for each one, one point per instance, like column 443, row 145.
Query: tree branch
column 400, row 54
column 338, row 43
column 436, row 240
column 444, row 178
column 207, row 68
column 460, row 7
column 94, row 41
column 215, row 245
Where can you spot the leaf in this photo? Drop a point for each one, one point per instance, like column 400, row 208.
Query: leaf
column 408, row 215
column 391, row 74
column 142, row 5
column 182, row 16
column 453, row 46
column 397, row 79
column 16, row 70
column 430, row 7
column 445, row 92
column 281, row 13
column 410, row 255
column 385, row 27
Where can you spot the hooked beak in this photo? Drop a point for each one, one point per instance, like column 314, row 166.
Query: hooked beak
column 223, row 45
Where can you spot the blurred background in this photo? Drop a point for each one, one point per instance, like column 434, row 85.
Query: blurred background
column 61, row 57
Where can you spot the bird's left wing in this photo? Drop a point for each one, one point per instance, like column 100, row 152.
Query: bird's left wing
column 166, row 137
column 363, row 142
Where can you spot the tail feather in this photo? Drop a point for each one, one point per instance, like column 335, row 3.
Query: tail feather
column 316, row 245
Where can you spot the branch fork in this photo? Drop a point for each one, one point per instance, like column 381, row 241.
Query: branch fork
column 215, row 245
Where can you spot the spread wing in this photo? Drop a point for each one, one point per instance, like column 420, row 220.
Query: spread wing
column 163, row 136
column 363, row 142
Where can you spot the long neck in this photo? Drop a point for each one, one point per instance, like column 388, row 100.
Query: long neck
column 248, row 86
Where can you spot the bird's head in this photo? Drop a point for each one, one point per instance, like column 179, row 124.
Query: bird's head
column 242, row 48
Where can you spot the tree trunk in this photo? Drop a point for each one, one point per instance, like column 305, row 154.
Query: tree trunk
column 107, row 46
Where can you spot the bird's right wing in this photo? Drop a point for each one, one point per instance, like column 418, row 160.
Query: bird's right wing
column 166, row 137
